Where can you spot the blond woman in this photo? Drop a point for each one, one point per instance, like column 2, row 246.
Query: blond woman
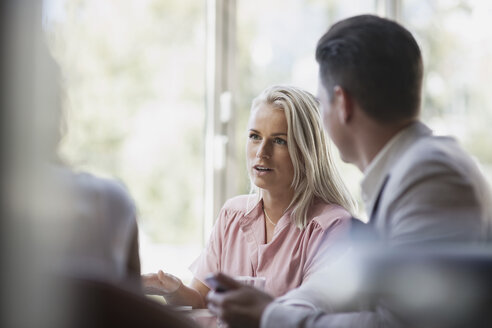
column 298, row 210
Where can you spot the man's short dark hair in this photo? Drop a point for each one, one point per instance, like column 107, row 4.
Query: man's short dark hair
column 378, row 62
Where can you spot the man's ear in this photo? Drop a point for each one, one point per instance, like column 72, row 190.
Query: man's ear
column 343, row 104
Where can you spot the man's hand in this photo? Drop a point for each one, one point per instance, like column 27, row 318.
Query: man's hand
column 240, row 305
column 160, row 283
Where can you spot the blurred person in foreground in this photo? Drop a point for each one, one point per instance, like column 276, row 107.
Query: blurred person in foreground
column 89, row 222
column 70, row 255
column 421, row 191
column 299, row 210
column 102, row 242
column 97, row 271
column 94, row 265
column 97, row 216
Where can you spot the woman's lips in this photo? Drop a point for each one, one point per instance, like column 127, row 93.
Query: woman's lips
column 262, row 170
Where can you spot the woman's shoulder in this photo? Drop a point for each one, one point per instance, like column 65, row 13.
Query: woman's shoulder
column 235, row 211
column 241, row 203
column 325, row 214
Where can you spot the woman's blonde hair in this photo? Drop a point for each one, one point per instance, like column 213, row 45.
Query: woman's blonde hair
column 315, row 173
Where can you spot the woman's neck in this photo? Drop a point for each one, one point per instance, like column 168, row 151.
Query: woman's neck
column 275, row 204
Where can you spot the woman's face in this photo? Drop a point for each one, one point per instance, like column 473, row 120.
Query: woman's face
column 268, row 159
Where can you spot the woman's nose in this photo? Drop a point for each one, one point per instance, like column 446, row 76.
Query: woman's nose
column 264, row 150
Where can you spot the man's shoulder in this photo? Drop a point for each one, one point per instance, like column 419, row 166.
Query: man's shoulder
column 432, row 194
column 431, row 148
column 433, row 163
column 432, row 153
column 112, row 190
column 101, row 195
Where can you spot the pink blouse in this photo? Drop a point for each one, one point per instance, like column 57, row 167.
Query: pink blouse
column 237, row 244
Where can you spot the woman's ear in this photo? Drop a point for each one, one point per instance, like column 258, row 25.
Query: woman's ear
column 343, row 104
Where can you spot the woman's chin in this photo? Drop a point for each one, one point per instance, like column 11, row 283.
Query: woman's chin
column 261, row 183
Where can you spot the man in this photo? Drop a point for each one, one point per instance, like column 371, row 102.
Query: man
column 419, row 190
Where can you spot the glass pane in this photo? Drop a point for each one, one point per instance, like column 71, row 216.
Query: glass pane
column 134, row 104
column 457, row 47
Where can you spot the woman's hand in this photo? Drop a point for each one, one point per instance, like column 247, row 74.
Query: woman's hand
column 160, row 283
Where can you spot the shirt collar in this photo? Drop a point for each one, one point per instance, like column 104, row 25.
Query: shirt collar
column 256, row 211
column 380, row 166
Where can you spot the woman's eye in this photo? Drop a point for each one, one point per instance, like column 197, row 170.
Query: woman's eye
column 254, row 136
column 280, row 141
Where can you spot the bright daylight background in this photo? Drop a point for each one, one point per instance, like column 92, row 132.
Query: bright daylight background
column 134, row 92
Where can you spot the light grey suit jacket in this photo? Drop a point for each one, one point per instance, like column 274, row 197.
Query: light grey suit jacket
column 434, row 192
column 431, row 193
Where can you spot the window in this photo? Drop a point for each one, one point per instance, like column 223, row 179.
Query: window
column 134, row 100
column 157, row 93
column 456, row 43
